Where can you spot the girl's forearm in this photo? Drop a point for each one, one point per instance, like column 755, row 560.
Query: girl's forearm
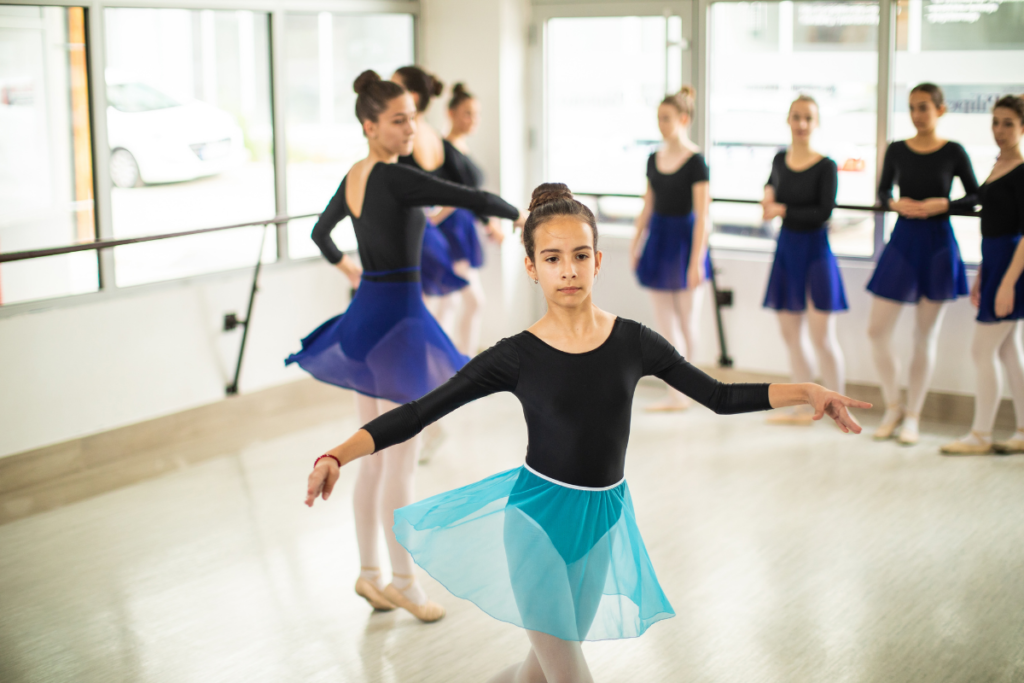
column 785, row 395
column 357, row 445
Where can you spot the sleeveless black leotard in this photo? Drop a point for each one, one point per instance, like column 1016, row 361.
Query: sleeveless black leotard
column 1002, row 205
column 577, row 405
column 390, row 228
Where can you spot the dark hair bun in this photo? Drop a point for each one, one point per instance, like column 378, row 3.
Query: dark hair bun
column 549, row 192
column 365, row 80
column 459, row 89
column 438, row 86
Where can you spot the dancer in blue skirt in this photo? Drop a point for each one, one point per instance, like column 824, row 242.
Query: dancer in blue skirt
column 438, row 276
column 674, row 260
column 921, row 264
column 805, row 284
column 387, row 346
column 553, row 546
column 459, row 226
column 998, row 291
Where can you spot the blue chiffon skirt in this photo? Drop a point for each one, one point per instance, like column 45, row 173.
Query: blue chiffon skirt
column 804, row 265
column 922, row 259
column 996, row 254
column 460, row 231
column 539, row 554
column 666, row 255
column 386, row 345
column 436, row 273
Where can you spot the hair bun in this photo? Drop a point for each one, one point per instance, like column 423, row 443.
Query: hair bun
column 365, row 80
column 459, row 89
column 549, row 192
column 688, row 91
column 437, row 87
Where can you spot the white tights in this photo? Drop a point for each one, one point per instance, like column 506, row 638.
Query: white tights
column 928, row 319
column 676, row 313
column 822, row 328
column 384, row 484
column 550, row 660
column 994, row 342
column 466, row 333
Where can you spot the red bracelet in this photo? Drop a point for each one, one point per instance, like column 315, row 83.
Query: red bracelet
column 326, row 455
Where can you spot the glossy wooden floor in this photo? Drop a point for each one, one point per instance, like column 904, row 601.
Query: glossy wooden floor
column 790, row 555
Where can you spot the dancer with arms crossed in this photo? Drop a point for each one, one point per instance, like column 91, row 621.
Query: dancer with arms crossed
column 387, row 346
column 921, row 263
column 553, row 546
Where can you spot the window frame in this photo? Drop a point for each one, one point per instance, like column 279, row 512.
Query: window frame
column 96, row 65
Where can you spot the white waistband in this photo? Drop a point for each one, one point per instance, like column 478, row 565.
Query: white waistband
column 573, row 486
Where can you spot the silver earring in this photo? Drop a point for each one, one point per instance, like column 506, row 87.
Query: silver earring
column 536, row 282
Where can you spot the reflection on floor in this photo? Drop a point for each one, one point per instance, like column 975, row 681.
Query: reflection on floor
column 789, row 554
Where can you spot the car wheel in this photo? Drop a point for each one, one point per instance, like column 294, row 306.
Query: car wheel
column 124, row 170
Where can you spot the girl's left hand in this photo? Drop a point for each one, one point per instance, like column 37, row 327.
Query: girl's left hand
column 322, row 480
column 1005, row 296
column 836, row 406
column 773, row 210
column 494, row 231
column 934, row 207
column 694, row 274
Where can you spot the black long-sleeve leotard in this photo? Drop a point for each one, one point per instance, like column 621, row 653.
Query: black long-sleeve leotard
column 456, row 168
column 577, row 405
column 390, row 227
column 1002, row 205
column 673, row 192
column 809, row 195
column 923, row 176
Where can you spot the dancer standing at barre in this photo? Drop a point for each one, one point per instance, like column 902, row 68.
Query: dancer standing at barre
column 805, row 286
column 674, row 260
column 553, row 546
column 428, row 154
column 998, row 291
column 387, row 346
column 921, row 264
column 459, row 226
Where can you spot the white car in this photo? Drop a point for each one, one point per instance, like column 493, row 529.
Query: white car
column 155, row 139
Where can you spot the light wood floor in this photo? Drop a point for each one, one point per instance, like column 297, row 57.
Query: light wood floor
column 790, row 555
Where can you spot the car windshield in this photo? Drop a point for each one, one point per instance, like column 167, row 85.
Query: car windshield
column 136, row 97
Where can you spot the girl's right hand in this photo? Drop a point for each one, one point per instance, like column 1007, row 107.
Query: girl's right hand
column 322, row 480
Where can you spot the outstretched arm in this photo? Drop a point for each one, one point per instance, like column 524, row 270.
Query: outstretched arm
column 416, row 188
column 494, row 370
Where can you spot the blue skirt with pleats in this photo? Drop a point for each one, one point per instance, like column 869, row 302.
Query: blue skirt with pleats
column 922, row 259
column 460, row 231
column 530, row 551
column 436, row 273
column 386, row 345
column 805, row 266
column 996, row 254
column 666, row 255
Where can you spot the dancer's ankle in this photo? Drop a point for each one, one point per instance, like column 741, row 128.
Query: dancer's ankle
column 373, row 575
column 409, row 587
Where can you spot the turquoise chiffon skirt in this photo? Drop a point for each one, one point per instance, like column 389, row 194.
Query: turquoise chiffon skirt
column 539, row 554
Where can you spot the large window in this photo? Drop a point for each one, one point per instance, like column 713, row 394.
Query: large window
column 604, row 78
column 762, row 56
column 188, row 121
column 46, row 185
column 325, row 54
column 975, row 52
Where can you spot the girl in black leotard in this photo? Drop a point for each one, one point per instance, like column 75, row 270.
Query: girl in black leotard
column 428, row 154
column 921, row 263
column 805, row 286
column 387, row 346
column 673, row 228
column 553, row 546
column 998, row 290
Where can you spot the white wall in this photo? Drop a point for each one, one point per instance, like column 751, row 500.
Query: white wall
column 71, row 370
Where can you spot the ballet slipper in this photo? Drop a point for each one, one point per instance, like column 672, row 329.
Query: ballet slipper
column 887, row 429
column 1014, row 445
column 910, row 431
column 428, row 612
column 962, row 447
column 373, row 595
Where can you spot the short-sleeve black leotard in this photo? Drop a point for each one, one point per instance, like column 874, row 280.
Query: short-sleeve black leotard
column 673, row 192
column 577, row 406
column 1002, row 205
column 390, row 228
column 809, row 195
column 923, row 176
